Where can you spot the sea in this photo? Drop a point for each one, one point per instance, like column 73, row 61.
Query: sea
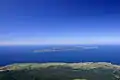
column 26, row 54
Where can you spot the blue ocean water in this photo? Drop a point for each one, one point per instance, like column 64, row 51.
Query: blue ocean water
column 25, row 54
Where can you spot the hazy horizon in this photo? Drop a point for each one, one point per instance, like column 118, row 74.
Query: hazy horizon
column 42, row 22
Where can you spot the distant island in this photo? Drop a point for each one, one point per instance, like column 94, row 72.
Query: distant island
column 72, row 48
column 60, row 71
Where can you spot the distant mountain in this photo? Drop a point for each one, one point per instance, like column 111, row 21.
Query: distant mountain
column 60, row 71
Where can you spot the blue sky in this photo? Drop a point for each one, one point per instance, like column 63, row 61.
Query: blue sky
column 59, row 22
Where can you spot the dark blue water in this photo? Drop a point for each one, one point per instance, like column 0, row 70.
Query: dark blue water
column 24, row 54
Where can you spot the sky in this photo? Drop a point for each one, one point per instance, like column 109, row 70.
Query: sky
column 59, row 22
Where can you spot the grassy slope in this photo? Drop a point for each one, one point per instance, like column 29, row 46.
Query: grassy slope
column 61, row 71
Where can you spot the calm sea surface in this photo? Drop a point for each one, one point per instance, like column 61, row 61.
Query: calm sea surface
column 24, row 54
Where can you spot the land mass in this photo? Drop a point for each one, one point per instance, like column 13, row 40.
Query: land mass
column 60, row 71
column 72, row 48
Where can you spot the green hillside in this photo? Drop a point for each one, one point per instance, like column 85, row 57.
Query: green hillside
column 60, row 71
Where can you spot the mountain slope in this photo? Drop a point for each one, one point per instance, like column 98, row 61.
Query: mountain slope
column 60, row 71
